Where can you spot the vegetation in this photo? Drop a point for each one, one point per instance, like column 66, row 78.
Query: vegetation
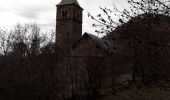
column 28, row 59
column 145, row 28
column 143, row 33
column 27, row 64
column 107, row 22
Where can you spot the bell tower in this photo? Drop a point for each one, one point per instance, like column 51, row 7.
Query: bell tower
column 68, row 24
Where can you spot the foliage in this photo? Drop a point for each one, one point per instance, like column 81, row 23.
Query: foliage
column 24, row 40
column 106, row 19
column 140, row 29
column 27, row 71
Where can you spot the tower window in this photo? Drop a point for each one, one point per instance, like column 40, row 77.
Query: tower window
column 64, row 14
column 77, row 15
column 74, row 14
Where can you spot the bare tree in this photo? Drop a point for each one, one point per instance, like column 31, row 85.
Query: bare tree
column 25, row 39
column 5, row 44
column 146, row 40
column 108, row 24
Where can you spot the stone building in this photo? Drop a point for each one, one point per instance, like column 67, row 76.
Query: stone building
column 88, row 63
column 68, row 25
column 82, row 60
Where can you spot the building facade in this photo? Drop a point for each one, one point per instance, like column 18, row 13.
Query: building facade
column 68, row 24
column 84, row 61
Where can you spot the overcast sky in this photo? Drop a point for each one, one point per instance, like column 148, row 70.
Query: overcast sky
column 43, row 11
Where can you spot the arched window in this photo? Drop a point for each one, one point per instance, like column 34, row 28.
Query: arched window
column 78, row 16
column 64, row 14
column 74, row 15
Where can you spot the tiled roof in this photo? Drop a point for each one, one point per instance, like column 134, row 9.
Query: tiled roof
column 63, row 2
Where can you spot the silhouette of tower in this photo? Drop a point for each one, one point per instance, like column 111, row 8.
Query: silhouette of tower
column 68, row 24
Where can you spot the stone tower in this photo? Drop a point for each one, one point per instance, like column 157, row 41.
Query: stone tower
column 68, row 25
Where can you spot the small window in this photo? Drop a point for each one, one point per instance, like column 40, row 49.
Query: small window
column 74, row 14
column 78, row 16
column 64, row 14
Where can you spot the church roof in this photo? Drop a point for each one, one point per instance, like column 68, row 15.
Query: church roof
column 103, row 44
column 63, row 2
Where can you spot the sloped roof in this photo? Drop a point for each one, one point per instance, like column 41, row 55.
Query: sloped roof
column 63, row 2
column 103, row 44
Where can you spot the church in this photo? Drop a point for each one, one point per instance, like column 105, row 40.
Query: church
column 87, row 64
column 83, row 60
column 86, row 67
